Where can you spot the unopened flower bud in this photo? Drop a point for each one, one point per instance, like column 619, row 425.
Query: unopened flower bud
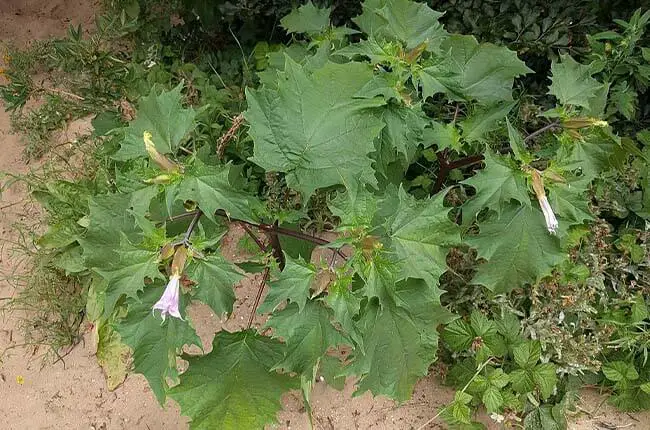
column 582, row 122
column 163, row 162
column 538, row 186
column 160, row 179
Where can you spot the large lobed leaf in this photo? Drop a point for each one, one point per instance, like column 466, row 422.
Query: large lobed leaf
column 312, row 128
column 496, row 185
column 233, row 387
column 307, row 19
column 518, row 248
column 467, row 70
column 155, row 343
column 572, row 83
column 308, row 334
column 214, row 278
column 407, row 21
column 164, row 117
column 421, row 234
column 399, row 340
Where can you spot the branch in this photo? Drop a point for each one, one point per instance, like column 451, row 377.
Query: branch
column 266, row 228
column 265, row 277
column 547, row 127
column 192, row 226
column 446, row 166
column 253, row 236
column 274, row 241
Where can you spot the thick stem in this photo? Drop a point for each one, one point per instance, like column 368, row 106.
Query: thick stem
column 253, row 236
column 267, row 228
column 274, row 242
column 265, row 277
column 192, row 226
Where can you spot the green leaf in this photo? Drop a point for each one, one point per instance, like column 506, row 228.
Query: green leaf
column 570, row 200
column 509, row 327
column 403, row 131
column 212, row 188
column 542, row 419
column 164, row 117
column 109, row 219
column 545, row 378
column 645, row 387
column 458, row 412
column 458, row 335
column 233, row 387
column 215, row 278
column 517, row 144
column 378, row 53
column 624, row 99
column 591, row 156
column 308, row 334
column 498, row 378
column 155, row 343
column 467, row 70
column 518, row 247
column 462, row 372
column 443, row 136
column 527, row 354
column 406, row 21
column 618, row 371
column 315, row 132
column 492, row 399
column 105, row 122
column 128, row 277
column 307, row 19
column 522, row 381
column 481, row 325
column 496, row 185
column 384, row 84
column 483, row 121
column 572, row 83
column 332, row 370
column 421, row 233
column 293, row 284
column 639, row 311
column 400, row 342
column 356, row 207
column 346, row 306
column 631, row 400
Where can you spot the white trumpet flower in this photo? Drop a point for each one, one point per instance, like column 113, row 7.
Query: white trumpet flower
column 549, row 216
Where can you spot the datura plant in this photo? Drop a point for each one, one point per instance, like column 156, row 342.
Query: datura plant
column 345, row 114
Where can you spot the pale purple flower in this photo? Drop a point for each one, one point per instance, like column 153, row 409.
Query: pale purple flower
column 168, row 303
column 549, row 216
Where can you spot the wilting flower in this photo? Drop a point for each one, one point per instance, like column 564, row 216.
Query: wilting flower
column 168, row 303
column 549, row 216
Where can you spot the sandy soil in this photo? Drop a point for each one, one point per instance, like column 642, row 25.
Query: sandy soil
column 75, row 396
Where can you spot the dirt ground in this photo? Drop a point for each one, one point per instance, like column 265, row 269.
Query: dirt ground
column 75, row 396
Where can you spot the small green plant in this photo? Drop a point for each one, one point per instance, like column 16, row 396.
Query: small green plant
column 498, row 368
